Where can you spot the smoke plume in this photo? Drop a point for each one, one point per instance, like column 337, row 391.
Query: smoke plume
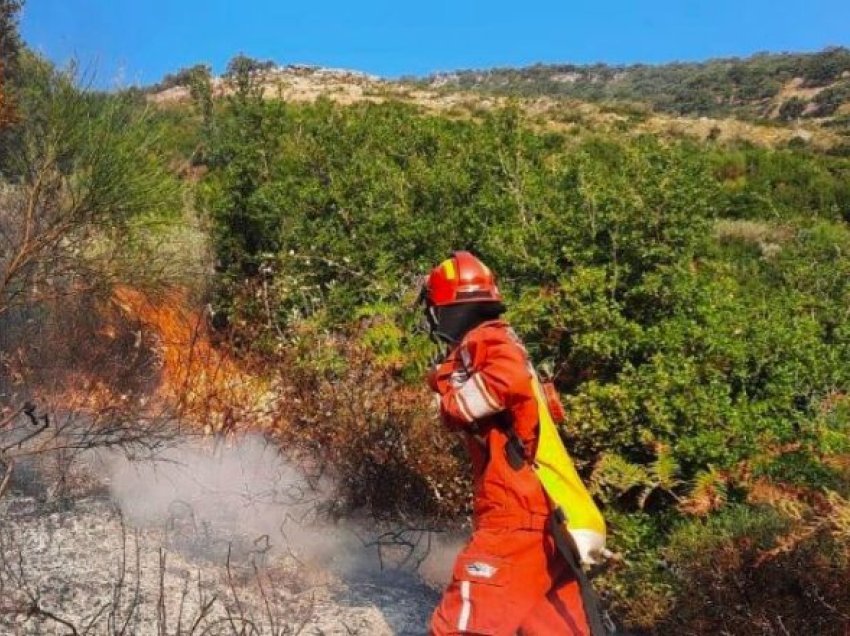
column 242, row 497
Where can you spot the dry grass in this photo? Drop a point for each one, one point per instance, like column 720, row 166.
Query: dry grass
column 767, row 237
column 750, row 231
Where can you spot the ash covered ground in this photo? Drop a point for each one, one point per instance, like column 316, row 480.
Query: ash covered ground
column 225, row 539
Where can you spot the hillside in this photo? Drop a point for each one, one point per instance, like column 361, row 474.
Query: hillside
column 221, row 266
column 765, row 86
column 463, row 100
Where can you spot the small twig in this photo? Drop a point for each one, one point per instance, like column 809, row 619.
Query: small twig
column 206, row 606
column 160, row 605
column 118, row 589
column 272, row 622
column 244, row 622
column 7, row 477
column 36, row 610
column 95, row 618
column 183, row 594
column 232, row 586
column 307, row 615
column 11, row 417
column 45, row 423
column 134, row 604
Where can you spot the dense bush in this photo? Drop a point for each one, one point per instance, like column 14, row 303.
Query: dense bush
column 86, row 187
column 183, row 77
column 792, row 109
column 690, row 301
column 244, row 64
column 782, row 184
column 10, row 47
column 829, row 100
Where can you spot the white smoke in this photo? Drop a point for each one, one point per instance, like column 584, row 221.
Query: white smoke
column 242, row 497
column 436, row 569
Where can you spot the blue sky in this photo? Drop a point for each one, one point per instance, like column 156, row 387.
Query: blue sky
column 139, row 41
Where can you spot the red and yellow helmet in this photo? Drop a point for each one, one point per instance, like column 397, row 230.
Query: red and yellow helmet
column 460, row 279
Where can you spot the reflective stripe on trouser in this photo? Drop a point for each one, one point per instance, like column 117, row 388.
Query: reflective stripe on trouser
column 465, row 608
column 509, row 580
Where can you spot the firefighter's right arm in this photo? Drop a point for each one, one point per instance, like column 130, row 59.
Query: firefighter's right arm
column 480, row 383
column 440, row 382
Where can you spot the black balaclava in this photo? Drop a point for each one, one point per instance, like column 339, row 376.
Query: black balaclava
column 450, row 323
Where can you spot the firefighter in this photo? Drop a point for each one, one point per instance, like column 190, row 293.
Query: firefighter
column 511, row 577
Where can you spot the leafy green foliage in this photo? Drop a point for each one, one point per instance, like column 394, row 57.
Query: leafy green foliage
column 829, row 100
column 242, row 64
column 10, row 39
column 689, row 299
column 792, row 109
column 10, row 47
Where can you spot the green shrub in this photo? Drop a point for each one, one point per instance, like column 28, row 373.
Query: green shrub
column 690, row 301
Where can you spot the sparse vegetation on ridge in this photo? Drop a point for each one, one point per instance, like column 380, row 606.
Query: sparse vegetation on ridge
column 753, row 87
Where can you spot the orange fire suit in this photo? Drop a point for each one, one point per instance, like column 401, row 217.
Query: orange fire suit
column 510, row 577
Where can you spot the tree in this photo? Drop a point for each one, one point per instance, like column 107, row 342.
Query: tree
column 242, row 63
column 830, row 99
column 183, row 77
column 792, row 109
column 199, row 81
column 10, row 40
column 79, row 165
column 10, row 46
column 826, row 66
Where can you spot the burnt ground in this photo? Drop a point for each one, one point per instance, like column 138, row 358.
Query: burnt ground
column 78, row 559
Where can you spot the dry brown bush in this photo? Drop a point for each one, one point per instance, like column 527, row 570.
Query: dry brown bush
column 735, row 590
column 375, row 435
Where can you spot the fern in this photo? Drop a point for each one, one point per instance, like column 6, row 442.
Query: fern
column 709, row 493
column 616, row 474
column 665, row 471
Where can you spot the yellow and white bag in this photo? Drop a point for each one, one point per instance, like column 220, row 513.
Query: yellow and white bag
column 574, row 507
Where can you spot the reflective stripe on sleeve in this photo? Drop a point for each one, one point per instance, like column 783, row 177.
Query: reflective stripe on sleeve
column 466, row 608
column 489, row 397
column 463, row 408
column 475, row 399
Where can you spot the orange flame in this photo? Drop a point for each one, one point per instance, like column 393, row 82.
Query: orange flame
column 202, row 380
